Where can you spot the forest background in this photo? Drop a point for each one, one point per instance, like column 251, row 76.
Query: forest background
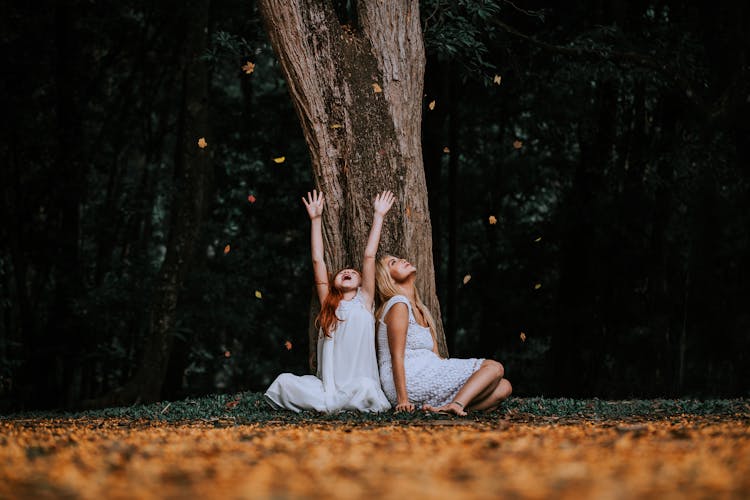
column 587, row 168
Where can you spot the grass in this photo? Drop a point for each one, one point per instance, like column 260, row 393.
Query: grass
column 249, row 407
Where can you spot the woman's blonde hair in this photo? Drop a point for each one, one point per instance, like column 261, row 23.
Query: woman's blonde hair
column 386, row 288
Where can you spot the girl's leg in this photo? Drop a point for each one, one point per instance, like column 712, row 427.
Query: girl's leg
column 486, row 378
column 502, row 391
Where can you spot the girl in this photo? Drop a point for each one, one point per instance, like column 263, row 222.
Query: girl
column 410, row 367
column 347, row 373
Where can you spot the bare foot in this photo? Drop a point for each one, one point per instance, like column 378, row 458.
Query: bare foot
column 451, row 407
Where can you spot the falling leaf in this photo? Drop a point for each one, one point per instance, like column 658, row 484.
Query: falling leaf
column 227, row 354
column 538, row 240
column 288, row 345
column 376, row 88
column 258, row 295
column 248, row 67
column 431, row 105
column 280, row 159
column 537, row 286
column 226, row 249
column 336, row 125
column 446, row 150
column 467, row 278
column 493, row 219
column 202, row 142
column 523, row 337
column 251, row 198
column 232, row 404
column 517, row 144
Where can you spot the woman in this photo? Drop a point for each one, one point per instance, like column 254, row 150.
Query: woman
column 410, row 368
column 347, row 374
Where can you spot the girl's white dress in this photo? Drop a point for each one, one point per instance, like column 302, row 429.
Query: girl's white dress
column 430, row 379
column 347, row 376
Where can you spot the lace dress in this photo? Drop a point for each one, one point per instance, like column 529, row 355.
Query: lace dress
column 430, row 379
column 347, row 377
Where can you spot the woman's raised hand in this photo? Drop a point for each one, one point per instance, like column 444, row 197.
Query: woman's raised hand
column 383, row 202
column 314, row 204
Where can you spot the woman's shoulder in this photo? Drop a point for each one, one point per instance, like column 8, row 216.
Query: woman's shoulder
column 396, row 299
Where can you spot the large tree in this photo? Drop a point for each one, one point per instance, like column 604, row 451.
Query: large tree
column 355, row 75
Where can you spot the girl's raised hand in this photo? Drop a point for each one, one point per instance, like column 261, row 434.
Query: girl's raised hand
column 314, row 204
column 383, row 202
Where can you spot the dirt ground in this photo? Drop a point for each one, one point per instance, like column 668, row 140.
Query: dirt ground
column 542, row 457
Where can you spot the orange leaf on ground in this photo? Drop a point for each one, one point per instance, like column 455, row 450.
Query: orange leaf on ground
column 376, row 88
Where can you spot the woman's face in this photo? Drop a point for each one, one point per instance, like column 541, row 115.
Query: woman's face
column 399, row 269
column 347, row 280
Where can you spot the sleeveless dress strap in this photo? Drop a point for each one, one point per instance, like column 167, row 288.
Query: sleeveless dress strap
column 396, row 299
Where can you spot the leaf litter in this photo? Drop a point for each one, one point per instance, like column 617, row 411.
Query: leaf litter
column 533, row 448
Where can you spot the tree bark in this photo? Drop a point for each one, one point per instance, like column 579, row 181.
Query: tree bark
column 357, row 90
column 192, row 190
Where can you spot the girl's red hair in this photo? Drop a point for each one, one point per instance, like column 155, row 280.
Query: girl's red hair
column 327, row 319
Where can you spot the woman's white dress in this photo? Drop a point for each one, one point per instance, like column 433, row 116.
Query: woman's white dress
column 430, row 379
column 347, row 376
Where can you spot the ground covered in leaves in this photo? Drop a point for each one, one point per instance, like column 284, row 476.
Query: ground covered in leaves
column 235, row 447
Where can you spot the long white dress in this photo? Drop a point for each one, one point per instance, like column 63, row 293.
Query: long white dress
column 430, row 379
column 347, row 376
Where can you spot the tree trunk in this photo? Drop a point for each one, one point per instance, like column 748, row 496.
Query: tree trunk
column 357, row 89
column 192, row 189
column 59, row 364
column 437, row 80
column 451, row 299
column 574, row 346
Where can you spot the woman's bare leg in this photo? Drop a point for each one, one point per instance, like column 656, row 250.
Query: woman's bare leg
column 487, row 377
column 491, row 402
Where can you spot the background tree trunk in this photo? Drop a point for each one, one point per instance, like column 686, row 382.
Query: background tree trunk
column 192, row 181
column 356, row 85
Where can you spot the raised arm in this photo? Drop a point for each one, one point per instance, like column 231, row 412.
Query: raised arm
column 397, row 322
column 383, row 202
column 314, row 205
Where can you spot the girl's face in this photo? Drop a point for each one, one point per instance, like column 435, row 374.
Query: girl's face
column 400, row 269
column 347, row 280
